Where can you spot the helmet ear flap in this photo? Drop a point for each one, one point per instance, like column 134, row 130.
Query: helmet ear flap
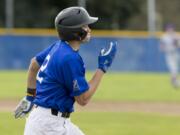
column 68, row 34
column 82, row 34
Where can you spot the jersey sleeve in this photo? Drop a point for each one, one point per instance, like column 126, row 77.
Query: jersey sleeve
column 40, row 57
column 74, row 77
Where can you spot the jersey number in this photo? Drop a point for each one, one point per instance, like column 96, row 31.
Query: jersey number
column 43, row 67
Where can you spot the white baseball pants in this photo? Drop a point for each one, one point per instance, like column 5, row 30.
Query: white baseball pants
column 42, row 122
column 172, row 63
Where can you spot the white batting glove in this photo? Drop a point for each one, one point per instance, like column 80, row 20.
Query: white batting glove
column 23, row 108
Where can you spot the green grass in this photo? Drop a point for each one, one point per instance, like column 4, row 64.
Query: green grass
column 12, row 84
column 106, row 123
column 10, row 126
column 150, row 87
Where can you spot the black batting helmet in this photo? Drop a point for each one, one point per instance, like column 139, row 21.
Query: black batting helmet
column 69, row 23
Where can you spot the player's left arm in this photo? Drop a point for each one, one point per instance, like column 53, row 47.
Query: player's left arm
column 178, row 40
column 32, row 73
column 161, row 44
column 26, row 104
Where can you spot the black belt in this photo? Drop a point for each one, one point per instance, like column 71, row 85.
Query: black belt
column 64, row 114
column 55, row 112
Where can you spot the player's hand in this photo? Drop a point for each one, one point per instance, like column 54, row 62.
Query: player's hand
column 24, row 107
column 106, row 57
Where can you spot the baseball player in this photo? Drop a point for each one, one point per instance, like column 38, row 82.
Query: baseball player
column 56, row 77
column 169, row 44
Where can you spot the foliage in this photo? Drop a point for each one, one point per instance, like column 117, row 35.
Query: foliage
column 113, row 14
column 38, row 13
column 2, row 13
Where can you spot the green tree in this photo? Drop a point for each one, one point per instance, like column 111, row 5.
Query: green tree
column 38, row 13
column 2, row 13
column 113, row 14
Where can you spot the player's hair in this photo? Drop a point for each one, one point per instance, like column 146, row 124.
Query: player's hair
column 69, row 23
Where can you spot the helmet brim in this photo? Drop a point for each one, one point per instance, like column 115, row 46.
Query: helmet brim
column 92, row 20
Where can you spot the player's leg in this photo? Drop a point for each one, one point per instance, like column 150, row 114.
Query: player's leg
column 172, row 63
column 42, row 122
column 31, row 127
column 72, row 129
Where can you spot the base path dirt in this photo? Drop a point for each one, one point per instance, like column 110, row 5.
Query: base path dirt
column 162, row 108
column 108, row 106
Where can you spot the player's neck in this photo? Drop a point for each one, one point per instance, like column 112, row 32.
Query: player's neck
column 75, row 45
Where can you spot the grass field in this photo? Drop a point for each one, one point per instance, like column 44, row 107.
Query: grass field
column 97, row 123
column 117, row 87
column 149, row 87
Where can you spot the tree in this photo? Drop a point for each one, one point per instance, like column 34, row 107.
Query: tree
column 114, row 14
column 38, row 13
column 2, row 13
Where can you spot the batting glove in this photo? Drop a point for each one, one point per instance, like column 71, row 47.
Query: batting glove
column 24, row 107
column 106, row 57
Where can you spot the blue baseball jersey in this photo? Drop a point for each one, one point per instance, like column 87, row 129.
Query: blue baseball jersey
column 60, row 78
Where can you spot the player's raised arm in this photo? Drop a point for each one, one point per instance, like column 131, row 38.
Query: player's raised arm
column 105, row 60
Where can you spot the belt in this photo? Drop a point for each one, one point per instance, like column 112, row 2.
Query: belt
column 55, row 112
column 64, row 114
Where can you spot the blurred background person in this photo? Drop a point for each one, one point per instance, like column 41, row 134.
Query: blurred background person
column 169, row 44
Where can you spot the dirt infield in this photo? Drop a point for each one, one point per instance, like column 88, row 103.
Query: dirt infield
column 103, row 106
column 161, row 108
